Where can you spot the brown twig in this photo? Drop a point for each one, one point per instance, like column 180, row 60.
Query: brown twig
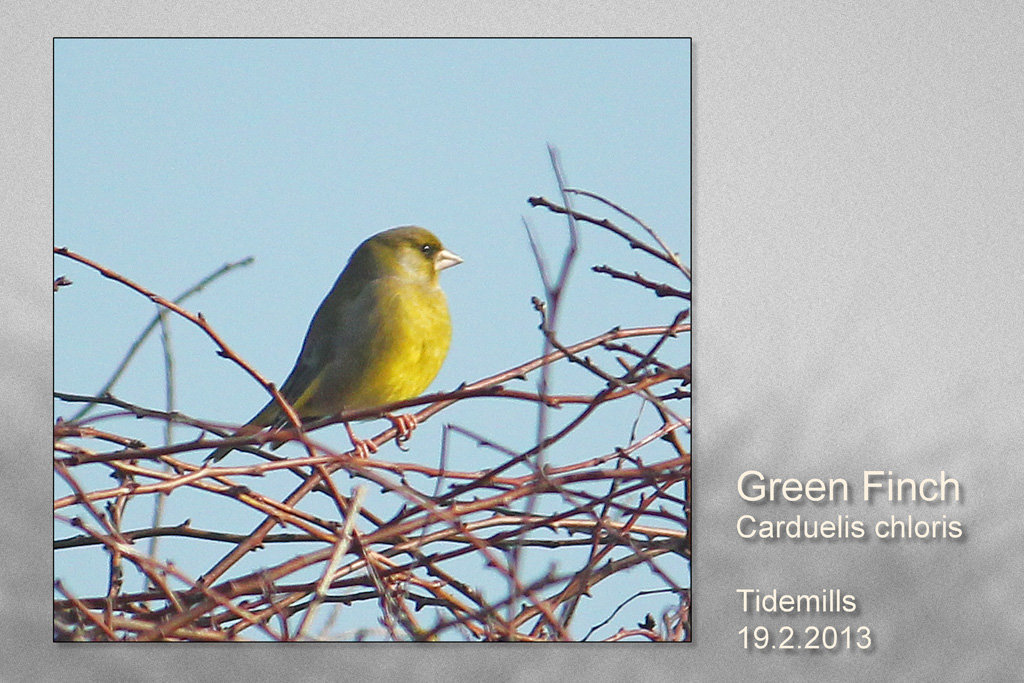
column 659, row 288
column 196, row 318
column 434, row 540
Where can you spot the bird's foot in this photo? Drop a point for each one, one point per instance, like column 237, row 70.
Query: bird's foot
column 403, row 424
column 364, row 447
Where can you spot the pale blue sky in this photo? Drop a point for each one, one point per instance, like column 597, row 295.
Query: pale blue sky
column 173, row 157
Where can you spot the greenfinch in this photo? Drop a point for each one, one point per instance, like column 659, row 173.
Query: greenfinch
column 380, row 335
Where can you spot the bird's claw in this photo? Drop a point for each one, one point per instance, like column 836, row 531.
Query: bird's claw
column 403, row 424
column 363, row 447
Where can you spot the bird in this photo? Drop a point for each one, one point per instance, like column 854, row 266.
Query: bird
column 380, row 335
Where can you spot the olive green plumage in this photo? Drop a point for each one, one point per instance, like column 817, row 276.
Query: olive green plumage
column 380, row 335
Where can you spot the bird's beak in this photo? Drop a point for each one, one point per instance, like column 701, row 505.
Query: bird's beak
column 445, row 259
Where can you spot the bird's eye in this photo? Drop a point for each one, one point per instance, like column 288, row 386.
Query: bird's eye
column 427, row 249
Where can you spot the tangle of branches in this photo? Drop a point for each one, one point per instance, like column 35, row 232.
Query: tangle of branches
column 534, row 548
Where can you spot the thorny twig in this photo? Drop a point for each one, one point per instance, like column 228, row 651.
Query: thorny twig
column 433, row 541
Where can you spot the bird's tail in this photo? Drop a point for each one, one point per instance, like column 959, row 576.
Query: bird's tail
column 218, row 454
column 270, row 416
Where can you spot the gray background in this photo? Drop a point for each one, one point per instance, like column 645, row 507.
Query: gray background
column 858, row 295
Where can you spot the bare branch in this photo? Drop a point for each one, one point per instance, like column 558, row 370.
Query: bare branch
column 509, row 547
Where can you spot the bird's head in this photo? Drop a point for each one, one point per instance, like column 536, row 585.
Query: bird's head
column 410, row 252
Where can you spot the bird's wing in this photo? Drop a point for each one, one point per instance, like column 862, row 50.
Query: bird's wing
column 335, row 339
